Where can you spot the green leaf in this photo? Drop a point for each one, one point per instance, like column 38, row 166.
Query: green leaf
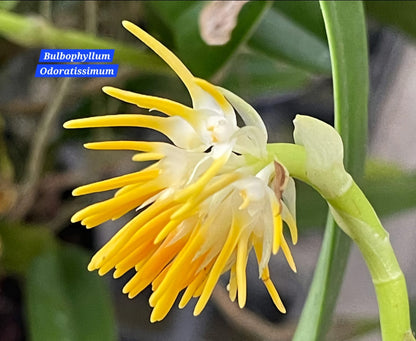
column 346, row 31
column 9, row 4
column 252, row 75
column 386, row 181
column 203, row 60
column 169, row 11
column 65, row 301
column 281, row 38
column 20, row 244
column 306, row 14
column 400, row 14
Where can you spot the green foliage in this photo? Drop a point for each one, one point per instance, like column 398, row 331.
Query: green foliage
column 8, row 4
column 306, row 14
column 276, row 47
column 252, row 75
column 303, row 49
column 20, row 244
column 399, row 14
column 204, row 60
column 65, row 301
column 346, row 31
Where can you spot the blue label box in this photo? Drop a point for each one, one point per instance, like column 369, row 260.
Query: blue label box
column 76, row 55
column 76, row 70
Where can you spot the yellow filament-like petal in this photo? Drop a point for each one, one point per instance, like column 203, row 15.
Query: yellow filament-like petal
column 232, row 285
column 163, row 306
column 277, row 233
column 159, row 259
column 272, row 290
column 147, row 157
column 143, row 236
column 123, row 235
column 198, row 186
column 131, row 257
column 122, row 120
column 187, row 295
column 164, row 105
column 164, row 302
column 241, row 265
column 288, row 254
column 167, row 229
column 290, row 221
column 196, row 280
column 191, row 205
column 277, row 223
column 218, row 267
column 143, row 146
column 166, row 125
column 131, row 199
column 184, row 74
column 179, row 265
column 157, row 281
column 127, row 188
column 117, row 182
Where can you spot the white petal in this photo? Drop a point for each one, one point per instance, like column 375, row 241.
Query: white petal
column 245, row 110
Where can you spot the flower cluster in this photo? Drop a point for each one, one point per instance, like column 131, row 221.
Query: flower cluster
column 206, row 200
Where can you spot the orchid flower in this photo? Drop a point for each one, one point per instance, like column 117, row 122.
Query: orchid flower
column 208, row 198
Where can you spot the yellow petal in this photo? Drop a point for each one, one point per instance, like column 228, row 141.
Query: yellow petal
column 272, row 290
column 163, row 105
column 232, row 285
column 288, row 254
column 219, row 266
column 290, row 221
column 123, row 145
column 125, row 234
column 241, row 265
column 176, row 65
column 116, row 182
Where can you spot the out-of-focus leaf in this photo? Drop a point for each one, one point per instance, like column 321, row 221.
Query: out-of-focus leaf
column 306, row 14
column 8, row 4
column 20, row 244
column 281, row 38
column 65, row 301
column 203, row 60
column 6, row 167
column 400, row 14
column 347, row 38
column 170, row 11
column 251, row 75
column 389, row 189
column 32, row 31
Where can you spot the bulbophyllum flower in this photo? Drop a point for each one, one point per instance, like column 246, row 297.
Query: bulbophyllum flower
column 210, row 197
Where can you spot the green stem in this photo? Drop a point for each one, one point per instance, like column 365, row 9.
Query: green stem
column 355, row 215
column 346, row 33
column 33, row 31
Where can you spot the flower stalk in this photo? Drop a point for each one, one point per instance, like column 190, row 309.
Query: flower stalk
column 357, row 218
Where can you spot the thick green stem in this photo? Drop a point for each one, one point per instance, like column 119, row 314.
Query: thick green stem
column 357, row 218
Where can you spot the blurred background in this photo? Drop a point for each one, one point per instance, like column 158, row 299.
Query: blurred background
column 278, row 60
